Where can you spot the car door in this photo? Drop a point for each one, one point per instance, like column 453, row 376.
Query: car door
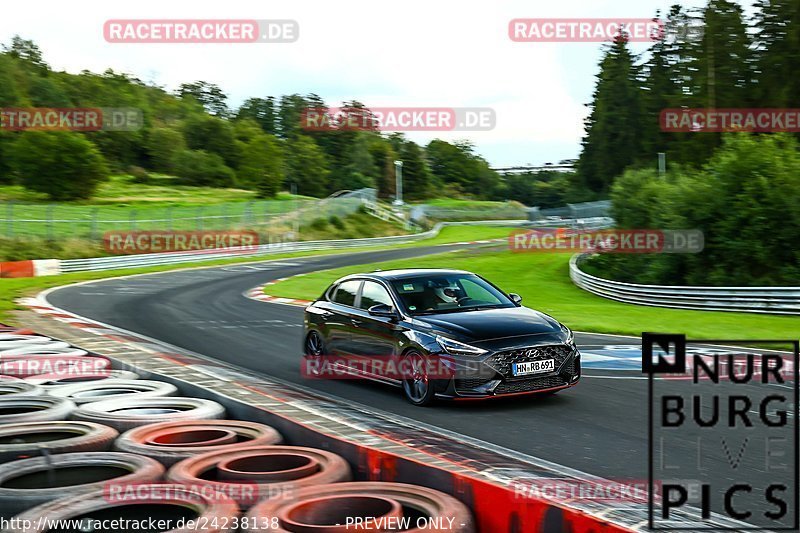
column 340, row 325
column 374, row 338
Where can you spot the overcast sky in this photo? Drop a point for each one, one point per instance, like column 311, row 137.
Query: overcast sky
column 453, row 53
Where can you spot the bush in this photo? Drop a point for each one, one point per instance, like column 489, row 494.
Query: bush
column 30, row 247
column 745, row 202
column 163, row 146
column 138, row 174
column 63, row 165
column 336, row 222
column 199, row 168
column 318, row 224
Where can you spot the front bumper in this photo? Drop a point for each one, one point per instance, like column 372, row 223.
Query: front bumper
column 493, row 377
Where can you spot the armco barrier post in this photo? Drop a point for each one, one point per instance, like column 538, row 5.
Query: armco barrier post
column 10, row 219
column 93, row 229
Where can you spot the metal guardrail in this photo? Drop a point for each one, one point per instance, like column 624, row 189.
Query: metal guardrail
column 770, row 300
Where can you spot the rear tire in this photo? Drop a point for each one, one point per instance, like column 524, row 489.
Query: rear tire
column 418, row 388
column 314, row 352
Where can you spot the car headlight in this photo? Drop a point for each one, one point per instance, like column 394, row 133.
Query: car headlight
column 458, row 348
column 570, row 335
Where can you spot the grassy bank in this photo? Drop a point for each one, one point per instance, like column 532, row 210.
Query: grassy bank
column 543, row 282
column 356, row 225
column 121, row 204
column 159, row 191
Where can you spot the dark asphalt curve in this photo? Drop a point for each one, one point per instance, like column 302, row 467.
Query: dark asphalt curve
column 599, row 426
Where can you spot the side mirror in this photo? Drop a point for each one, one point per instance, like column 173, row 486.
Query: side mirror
column 382, row 310
column 516, row 298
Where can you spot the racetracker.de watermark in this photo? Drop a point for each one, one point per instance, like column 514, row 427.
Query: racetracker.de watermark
column 399, row 119
column 196, row 31
column 71, row 118
column 627, row 241
column 200, row 242
column 155, row 493
column 389, row 367
column 581, row 490
column 54, row 366
column 765, row 120
column 584, row 30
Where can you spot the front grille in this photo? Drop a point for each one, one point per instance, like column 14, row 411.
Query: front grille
column 470, row 383
column 528, row 385
column 502, row 361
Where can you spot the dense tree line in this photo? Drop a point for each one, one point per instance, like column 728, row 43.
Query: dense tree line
column 195, row 135
column 707, row 58
column 741, row 189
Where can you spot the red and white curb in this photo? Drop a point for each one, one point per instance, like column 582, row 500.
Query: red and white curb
column 40, row 305
column 257, row 293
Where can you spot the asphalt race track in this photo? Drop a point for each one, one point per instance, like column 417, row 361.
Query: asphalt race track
column 599, row 426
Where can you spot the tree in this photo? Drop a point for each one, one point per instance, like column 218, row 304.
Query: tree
column 665, row 75
column 209, row 95
column 458, row 164
column 63, row 165
column 721, row 72
column 777, row 43
column 307, row 166
column 612, row 129
column 163, row 146
column 261, row 165
column 262, row 111
column 723, row 60
column 290, row 114
column 211, row 134
column 27, row 51
column 384, row 157
column 416, row 175
column 358, row 171
column 203, row 169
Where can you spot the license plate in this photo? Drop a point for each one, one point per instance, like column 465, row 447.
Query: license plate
column 534, row 367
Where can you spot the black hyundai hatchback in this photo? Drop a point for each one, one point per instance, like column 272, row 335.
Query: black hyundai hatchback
column 438, row 334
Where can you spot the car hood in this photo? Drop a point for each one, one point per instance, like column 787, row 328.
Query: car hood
column 491, row 324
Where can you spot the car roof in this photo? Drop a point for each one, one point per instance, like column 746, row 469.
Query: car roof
column 405, row 273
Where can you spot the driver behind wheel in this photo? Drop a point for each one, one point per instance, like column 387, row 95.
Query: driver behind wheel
column 445, row 294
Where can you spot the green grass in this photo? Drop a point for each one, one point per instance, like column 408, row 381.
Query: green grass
column 457, row 209
column 468, row 233
column 543, row 282
column 455, row 203
column 121, row 205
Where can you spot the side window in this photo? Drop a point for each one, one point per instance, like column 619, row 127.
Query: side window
column 374, row 294
column 346, row 293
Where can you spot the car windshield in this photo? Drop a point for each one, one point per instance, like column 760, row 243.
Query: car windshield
column 447, row 293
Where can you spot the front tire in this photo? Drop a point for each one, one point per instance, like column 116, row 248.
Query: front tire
column 418, row 388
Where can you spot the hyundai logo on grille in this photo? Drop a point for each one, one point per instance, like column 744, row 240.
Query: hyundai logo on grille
column 531, row 353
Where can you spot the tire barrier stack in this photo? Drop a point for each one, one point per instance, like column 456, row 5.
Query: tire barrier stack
column 79, row 441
